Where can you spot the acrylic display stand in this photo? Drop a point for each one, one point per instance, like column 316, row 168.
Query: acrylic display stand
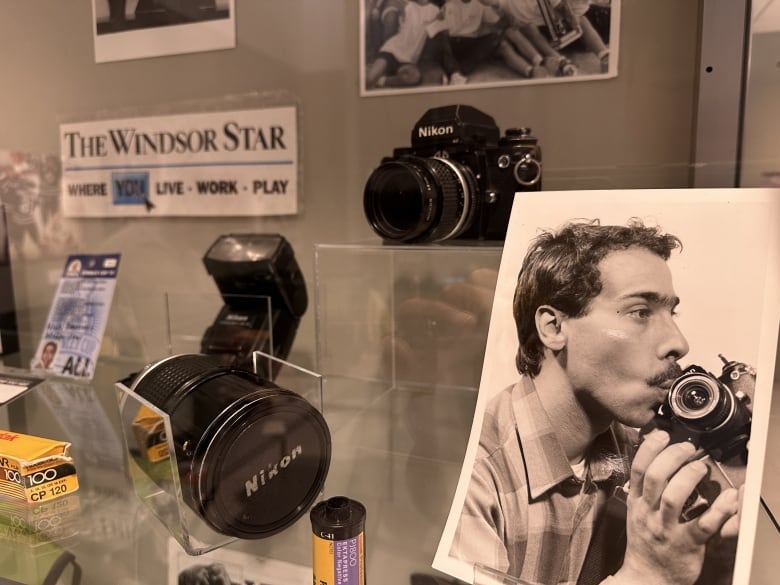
column 404, row 315
column 35, row 539
column 401, row 334
column 155, row 476
column 189, row 319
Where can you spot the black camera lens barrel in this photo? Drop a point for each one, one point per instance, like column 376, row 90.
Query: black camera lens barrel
column 416, row 199
column 252, row 457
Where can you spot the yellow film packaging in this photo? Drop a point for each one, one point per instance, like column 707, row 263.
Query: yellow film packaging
column 338, row 545
column 35, row 524
column 34, row 469
column 149, row 430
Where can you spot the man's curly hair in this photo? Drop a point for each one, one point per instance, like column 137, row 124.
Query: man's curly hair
column 560, row 269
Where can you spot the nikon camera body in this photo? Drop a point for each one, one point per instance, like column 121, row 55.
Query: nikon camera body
column 456, row 181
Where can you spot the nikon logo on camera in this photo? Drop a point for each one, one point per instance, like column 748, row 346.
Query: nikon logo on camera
column 261, row 478
column 428, row 131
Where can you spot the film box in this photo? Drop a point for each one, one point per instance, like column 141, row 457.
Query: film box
column 34, row 469
column 149, row 430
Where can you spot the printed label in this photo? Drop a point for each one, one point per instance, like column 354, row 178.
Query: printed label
column 338, row 562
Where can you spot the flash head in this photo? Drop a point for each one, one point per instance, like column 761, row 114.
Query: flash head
column 247, row 268
column 252, row 265
column 251, row 457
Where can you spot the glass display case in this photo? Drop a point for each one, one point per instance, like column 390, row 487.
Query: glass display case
column 390, row 349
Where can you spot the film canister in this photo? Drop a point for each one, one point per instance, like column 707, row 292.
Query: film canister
column 339, row 548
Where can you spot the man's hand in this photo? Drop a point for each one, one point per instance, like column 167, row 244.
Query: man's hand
column 662, row 550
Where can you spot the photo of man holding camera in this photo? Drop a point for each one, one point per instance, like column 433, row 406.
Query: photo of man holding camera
column 609, row 460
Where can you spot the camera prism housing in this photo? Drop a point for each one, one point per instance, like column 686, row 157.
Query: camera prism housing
column 251, row 457
column 456, row 181
column 711, row 412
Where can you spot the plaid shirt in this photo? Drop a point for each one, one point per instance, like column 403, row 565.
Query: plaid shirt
column 526, row 513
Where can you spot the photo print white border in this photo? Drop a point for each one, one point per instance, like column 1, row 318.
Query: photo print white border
column 727, row 277
column 132, row 42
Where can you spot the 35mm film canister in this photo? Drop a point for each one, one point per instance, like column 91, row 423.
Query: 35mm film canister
column 338, row 542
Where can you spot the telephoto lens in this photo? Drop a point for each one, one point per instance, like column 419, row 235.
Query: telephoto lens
column 252, row 457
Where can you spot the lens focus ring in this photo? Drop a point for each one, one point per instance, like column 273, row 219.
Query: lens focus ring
column 455, row 199
column 162, row 379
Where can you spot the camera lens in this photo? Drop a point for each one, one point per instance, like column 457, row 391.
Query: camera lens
column 415, row 199
column 251, row 456
column 698, row 399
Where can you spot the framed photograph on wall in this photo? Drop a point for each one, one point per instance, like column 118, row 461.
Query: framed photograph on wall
column 136, row 29
column 430, row 45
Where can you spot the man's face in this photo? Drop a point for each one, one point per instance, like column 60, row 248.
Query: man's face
column 621, row 356
column 47, row 355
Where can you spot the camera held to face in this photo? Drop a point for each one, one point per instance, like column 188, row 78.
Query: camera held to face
column 711, row 412
column 456, row 181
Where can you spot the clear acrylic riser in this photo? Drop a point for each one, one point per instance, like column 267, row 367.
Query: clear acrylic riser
column 401, row 333
column 404, row 315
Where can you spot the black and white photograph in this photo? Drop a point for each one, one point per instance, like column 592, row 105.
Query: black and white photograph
column 136, row 29
column 231, row 567
column 30, row 194
column 430, row 45
column 621, row 421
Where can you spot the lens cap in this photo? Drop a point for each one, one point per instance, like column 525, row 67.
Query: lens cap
column 263, row 465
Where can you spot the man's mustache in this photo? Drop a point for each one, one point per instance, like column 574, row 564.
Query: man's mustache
column 671, row 373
